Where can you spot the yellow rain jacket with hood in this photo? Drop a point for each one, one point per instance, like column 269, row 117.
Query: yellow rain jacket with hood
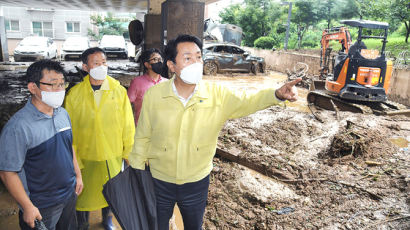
column 103, row 132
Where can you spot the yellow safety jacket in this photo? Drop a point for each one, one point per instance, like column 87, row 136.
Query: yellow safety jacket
column 179, row 141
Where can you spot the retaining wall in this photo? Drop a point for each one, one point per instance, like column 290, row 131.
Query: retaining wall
column 399, row 89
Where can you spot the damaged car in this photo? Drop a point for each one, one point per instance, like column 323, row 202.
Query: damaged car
column 223, row 57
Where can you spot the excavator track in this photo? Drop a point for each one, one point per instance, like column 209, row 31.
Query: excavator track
column 322, row 99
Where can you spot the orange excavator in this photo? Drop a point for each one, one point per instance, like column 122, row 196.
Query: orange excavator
column 359, row 78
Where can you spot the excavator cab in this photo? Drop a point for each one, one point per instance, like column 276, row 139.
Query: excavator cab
column 362, row 74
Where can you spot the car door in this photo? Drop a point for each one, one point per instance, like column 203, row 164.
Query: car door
column 223, row 56
column 240, row 61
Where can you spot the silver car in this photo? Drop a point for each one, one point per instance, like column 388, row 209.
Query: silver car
column 35, row 48
column 74, row 46
column 227, row 57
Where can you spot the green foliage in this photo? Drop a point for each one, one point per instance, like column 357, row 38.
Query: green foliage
column 108, row 25
column 231, row 14
column 265, row 42
column 400, row 11
column 266, row 18
column 255, row 17
column 312, row 39
column 307, row 13
column 395, row 45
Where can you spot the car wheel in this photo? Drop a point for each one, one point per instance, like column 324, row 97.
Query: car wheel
column 210, row 68
column 255, row 68
column 261, row 69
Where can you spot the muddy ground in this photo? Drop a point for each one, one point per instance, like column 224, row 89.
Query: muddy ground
column 288, row 170
column 351, row 173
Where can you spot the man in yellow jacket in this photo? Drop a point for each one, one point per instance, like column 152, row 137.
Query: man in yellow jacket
column 103, row 131
column 178, row 129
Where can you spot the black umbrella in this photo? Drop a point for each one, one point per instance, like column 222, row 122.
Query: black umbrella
column 131, row 197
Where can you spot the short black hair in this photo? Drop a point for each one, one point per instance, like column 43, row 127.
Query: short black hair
column 34, row 72
column 89, row 51
column 146, row 55
column 171, row 48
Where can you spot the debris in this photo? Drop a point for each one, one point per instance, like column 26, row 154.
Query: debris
column 372, row 163
column 285, row 210
column 300, row 71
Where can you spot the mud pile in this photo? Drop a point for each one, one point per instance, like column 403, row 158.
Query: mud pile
column 340, row 174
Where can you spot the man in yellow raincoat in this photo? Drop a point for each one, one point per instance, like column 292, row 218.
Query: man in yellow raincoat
column 103, row 130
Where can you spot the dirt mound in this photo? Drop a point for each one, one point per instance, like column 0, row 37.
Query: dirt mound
column 359, row 141
column 344, row 173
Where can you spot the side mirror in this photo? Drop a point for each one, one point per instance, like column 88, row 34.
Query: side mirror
column 245, row 54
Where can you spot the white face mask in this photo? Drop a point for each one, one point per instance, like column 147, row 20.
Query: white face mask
column 192, row 74
column 99, row 73
column 53, row 99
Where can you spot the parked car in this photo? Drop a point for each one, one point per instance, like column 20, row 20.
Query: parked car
column 35, row 48
column 221, row 57
column 74, row 46
column 114, row 46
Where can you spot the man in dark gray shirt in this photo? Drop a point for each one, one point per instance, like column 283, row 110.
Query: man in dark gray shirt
column 37, row 162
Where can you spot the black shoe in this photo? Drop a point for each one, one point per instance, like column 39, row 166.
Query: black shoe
column 82, row 219
column 107, row 219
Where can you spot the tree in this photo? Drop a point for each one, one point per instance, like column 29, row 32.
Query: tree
column 306, row 15
column 255, row 17
column 400, row 10
column 230, row 15
column 108, row 25
column 347, row 9
column 374, row 10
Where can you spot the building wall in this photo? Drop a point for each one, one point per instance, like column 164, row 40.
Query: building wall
column 26, row 16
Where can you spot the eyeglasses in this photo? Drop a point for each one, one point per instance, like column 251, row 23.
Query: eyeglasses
column 56, row 86
column 156, row 59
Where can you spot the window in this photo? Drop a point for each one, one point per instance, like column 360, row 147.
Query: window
column 12, row 25
column 43, row 29
column 72, row 27
column 236, row 50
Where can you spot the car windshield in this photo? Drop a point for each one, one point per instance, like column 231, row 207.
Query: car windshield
column 33, row 41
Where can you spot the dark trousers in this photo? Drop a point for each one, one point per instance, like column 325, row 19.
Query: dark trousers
column 61, row 216
column 190, row 197
column 84, row 216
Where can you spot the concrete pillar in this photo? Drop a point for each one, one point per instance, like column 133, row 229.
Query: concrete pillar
column 4, row 51
column 152, row 34
column 152, row 25
column 182, row 17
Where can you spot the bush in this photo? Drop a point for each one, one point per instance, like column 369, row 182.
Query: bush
column 265, row 42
